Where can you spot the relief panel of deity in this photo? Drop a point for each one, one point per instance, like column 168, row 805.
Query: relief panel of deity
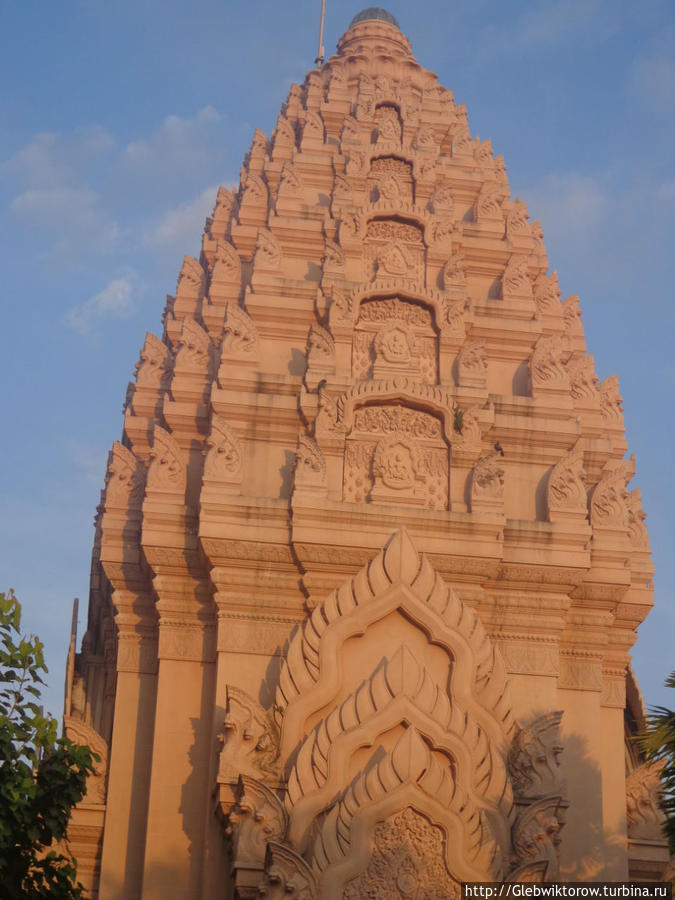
column 393, row 336
column 396, row 455
column 382, row 170
column 403, row 238
column 387, row 124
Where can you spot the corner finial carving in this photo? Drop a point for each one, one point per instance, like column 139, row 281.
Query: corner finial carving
column 472, row 365
column 487, row 484
column 643, row 794
column 167, row 471
column 223, row 461
column 191, row 280
column 125, row 479
column 153, row 369
column 566, row 492
column 240, row 336
column 310, row 466
column 267, row 250
column 547, row 365
column 81, row 733
column 250, row 742
column 534, row 758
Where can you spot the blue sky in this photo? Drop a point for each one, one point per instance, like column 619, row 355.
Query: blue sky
column 120, row 120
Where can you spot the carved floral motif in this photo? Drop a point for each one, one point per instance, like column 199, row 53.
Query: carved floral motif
column 408, row 856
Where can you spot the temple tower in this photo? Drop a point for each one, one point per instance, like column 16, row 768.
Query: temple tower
column 366, row 571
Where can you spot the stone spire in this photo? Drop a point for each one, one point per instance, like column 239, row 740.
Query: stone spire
column 369, row 471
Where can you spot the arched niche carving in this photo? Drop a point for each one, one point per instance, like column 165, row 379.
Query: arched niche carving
column 337, row 415
column 410, row 787
column 383, row 231
column 396, row 454
column 386, row 166
column 398, row 587
column 401, row 690
column 412, row 315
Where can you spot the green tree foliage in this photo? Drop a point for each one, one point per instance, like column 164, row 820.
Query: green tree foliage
column 41, row 776
column 658, row 742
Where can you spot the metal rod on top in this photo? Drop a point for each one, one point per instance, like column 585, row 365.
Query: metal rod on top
column 322, row 50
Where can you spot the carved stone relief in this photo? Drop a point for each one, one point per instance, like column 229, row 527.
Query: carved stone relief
column 268, row 253
column 222, row 213
column 257, row 817
column 194, row 349
column 240, row 336
column 310, row 466
column 167, row 470
column 153, row 370
column 320, row 349
column 224, row 456
column 547, row 294
column 487, row 484
column 81, row 733
column 534, row 759
column 394, row 248
column 547, row 365
column 408, row 855
column 396, row 455
column 191, row 280
column 250, row 740
column 394, row 335
column 566, row 490
column 472, row 365
column 644, row 790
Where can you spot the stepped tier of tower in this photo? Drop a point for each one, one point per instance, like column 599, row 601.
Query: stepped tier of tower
column 368, row 521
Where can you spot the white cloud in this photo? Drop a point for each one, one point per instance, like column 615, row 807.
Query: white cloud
column 177, row 145
column 49, row 160
column 549, row 24
column 181, row 226
column 653, row 81
column 75, row 214
column 115, row 301
column 546, row 24
column 567, row 203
